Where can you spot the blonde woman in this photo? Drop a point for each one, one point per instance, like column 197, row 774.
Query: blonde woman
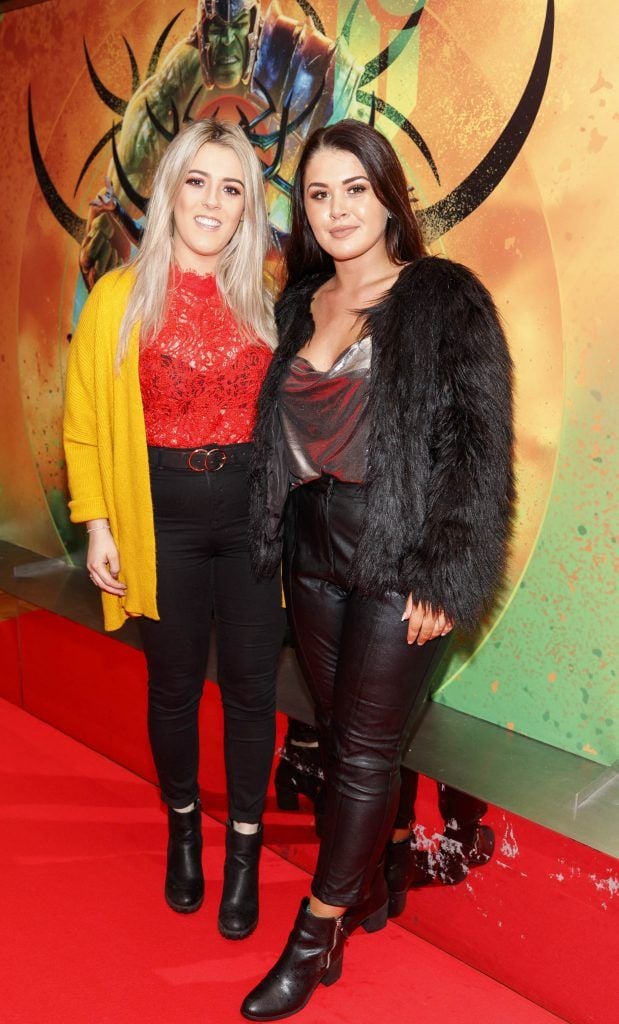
column 164, row 371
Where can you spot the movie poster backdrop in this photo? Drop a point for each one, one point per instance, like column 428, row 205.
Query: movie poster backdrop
column 503, row 116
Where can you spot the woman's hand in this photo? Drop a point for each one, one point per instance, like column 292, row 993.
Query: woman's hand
column 424, row 623
column 102, row 561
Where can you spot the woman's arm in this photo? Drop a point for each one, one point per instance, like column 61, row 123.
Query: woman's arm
column 80, row 419
column 82, row 453
column 459, row 562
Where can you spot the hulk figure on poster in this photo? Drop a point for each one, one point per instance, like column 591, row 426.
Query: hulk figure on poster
column 280, row 77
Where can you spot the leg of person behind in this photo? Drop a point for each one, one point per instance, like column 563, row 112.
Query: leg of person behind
column 406, row 863
column 466, row 843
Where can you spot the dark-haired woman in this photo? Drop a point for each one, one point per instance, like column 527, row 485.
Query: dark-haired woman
column 385, row 427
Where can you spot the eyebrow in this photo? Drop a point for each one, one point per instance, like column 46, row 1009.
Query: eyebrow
column 207, row 174
column 346, row 181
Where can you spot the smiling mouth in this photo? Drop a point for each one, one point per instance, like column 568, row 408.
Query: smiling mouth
column 343, row 232
column 210, row 223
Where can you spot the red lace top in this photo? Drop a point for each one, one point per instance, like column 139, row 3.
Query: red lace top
column 199, row 378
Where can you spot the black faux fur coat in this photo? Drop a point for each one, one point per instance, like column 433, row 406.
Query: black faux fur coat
column 439, row 477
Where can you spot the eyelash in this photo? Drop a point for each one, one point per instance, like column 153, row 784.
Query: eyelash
column 230, row 189
column 354, row 190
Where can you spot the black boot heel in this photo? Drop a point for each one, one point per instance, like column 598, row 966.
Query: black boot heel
column 378, row 920
column 371, row 914
column 397, row 903
column 406, row 867
column 287, row 797
column 334, row 973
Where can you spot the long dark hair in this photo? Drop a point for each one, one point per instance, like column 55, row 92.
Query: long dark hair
column 380, row 162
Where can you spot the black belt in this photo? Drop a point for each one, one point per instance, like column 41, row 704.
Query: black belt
column 209, row 459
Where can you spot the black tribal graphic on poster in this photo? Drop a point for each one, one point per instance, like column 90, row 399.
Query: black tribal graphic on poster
column 279, row 78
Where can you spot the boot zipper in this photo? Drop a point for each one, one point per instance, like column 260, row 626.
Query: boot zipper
column 338, row 928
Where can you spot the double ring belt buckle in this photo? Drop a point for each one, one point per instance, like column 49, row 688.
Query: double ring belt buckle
column 214, row 460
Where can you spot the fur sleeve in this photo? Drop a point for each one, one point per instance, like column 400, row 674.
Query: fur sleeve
column 459, row 560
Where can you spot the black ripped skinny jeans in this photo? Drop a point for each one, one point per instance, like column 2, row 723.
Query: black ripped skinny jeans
column 201, row 532
column 365, row 680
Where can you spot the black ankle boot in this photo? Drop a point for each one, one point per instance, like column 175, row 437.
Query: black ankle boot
column 462, row 849
column 299, row 771
column 406, row 867
column 371, row 914
column 313, row 956
column 184, row 882
column 238, row 910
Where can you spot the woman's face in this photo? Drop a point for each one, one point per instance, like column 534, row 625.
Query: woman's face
column 343, row 211
column 208, row 208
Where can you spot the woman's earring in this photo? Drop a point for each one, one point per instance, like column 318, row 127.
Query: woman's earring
column 389, row 215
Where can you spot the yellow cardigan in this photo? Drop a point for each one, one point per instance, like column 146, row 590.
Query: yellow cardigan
column 105, row 445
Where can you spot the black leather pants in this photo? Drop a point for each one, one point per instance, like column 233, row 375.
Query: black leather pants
column 365, row 680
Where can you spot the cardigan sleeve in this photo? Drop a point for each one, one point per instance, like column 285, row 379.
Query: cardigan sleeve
column 459, row 560
column 80, row 419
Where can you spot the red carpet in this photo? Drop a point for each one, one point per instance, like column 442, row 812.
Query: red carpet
column 87, row 939
column 541, row 918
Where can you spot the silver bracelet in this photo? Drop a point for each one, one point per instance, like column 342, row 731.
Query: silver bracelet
column 95, row 529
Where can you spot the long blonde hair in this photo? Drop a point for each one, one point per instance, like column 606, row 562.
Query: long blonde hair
column 240, row 267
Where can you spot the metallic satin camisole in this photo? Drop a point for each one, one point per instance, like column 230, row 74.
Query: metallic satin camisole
column 324, row 418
